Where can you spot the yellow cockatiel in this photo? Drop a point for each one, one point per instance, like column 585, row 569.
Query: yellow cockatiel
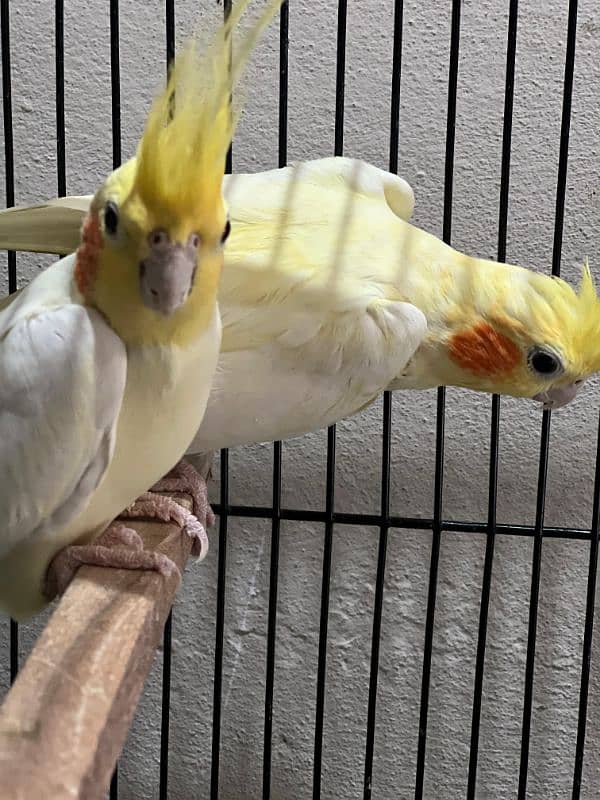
column 107, row 357
column 330, row 296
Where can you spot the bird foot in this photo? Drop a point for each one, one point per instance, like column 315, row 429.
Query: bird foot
column 121, row 547
column 150, row 505
column 184, row 478
column 118, row 547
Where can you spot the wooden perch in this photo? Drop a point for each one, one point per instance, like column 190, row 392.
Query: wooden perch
column 64, row 722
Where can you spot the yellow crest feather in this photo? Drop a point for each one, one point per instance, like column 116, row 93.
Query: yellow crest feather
column 181, row 157
column 588, row 333
column 573, row 318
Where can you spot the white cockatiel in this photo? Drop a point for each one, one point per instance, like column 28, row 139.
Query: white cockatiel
column 107, row 357
column 330, row 296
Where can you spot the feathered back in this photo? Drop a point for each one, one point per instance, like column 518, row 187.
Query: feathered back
column 181, row 156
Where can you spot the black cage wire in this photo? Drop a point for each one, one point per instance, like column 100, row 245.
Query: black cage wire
column 384, row 520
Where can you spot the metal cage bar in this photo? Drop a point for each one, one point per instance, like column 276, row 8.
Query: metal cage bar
column 412, row 523
column 12, row 256
column 9, row 160
column 440, row 416
column 59, row 43
column 545, row 435
column 220, row 626
column 165, row 716
column 511, row 51
column 223, row 514
column 277, row 449
column 386, row 444
column 338, row 150
column 115, row 83
column 586, row 658
column 115, row 120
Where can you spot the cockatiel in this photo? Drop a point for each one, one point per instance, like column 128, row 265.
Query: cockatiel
column 330, row 296
column 107, row 357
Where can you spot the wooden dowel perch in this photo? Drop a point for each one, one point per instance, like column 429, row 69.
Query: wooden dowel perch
column 64, row 721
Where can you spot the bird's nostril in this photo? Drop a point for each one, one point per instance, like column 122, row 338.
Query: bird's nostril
column 142, row 268
column 153, row 292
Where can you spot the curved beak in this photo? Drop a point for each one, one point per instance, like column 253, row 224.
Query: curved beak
column 559, row 396
column 167, row 276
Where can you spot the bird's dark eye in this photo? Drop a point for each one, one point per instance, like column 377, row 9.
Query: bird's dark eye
column 226, row 232
column 111, row 218
column 545, row 363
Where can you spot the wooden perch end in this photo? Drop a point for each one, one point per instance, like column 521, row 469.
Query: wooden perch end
column 64, row 722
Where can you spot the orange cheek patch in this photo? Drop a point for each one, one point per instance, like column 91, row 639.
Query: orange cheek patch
column 87, row 254
column 483, row 350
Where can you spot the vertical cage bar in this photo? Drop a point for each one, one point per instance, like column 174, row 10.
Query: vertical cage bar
column 485, row 599
column 340, row 79
column 545, row 435
column 284, row 27
column 114, row 786
column 586, row 658
column 115, row 113
column 9, row 161
column 395, row 96
column 277, row 448
column 440, row 416
column 379, row 587
column 229, row 157
column 220, row 625
column 386, row 439
column 495, row 424
column 272, row 622
column 221, row 576
column 12, row 256
column 115, row 83
column 565, row 128
column 324, row 620
column 59, row 41
column 509, row 91
column 14, row 650
column 163, row 791
column 170, row 31
column 165, row 715
column 533, row 604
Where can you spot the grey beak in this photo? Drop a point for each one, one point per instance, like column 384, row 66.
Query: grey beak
column 167, row 274
column 559, row 396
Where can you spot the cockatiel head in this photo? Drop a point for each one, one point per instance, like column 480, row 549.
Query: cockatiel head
column 514, row 332
column 152, row 244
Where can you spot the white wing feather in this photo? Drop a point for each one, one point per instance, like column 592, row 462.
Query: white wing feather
column 62, row 378
column 320, row 369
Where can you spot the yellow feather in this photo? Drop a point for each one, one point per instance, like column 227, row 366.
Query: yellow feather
column 181, row 156
column 571, row 317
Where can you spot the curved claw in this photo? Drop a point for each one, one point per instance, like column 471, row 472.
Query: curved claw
column 168, row 510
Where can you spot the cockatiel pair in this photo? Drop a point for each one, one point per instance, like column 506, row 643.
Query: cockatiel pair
column 329, row 296
column 107, row 357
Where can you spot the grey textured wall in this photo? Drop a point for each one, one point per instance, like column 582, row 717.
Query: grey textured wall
column 540, row 64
